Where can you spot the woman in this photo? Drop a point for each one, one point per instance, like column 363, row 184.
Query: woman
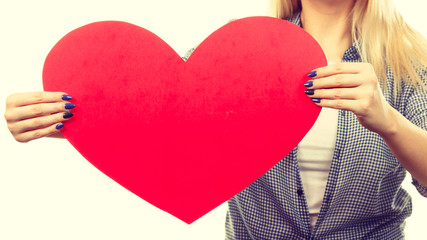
column 347, row 185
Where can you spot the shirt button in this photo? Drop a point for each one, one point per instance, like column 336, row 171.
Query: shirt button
column 300, row 192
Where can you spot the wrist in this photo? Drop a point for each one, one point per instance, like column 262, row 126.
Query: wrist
column 392, row 124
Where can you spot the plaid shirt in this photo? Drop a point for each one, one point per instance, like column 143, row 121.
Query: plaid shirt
column 363, row 197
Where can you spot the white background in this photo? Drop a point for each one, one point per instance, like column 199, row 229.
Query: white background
column 47, row 190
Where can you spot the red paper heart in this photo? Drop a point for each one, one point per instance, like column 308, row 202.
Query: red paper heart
column 186, row 136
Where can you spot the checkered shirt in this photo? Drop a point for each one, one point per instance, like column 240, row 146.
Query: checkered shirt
column 363, row 197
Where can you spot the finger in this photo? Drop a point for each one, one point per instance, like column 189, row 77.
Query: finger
column 335, row 81
column 341, row 104
column 23, row 99
column 338, row 68
column 39, row 122
column 36, row 110
column 39, row 133
column 334, row 93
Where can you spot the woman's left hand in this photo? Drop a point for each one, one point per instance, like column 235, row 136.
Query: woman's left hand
column 353, row 87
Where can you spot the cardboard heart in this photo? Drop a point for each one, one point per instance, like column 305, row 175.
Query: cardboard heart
column 186, row 136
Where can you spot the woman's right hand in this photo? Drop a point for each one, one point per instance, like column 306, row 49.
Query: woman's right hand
column 34, row 115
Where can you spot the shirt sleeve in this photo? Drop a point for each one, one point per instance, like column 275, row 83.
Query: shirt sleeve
column 421, row 189
column 416, row 112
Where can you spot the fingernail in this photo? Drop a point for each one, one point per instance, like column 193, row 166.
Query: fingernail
column 316, row 100
column 59, row 126
column 308, row 84
column 312, row 74
column 69, row 106
column 309, row 91
column 66, row 97
column 67, row 115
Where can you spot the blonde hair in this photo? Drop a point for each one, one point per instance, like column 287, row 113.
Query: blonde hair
column 385, row 39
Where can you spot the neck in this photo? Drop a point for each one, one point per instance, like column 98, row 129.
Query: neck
column 329, row 22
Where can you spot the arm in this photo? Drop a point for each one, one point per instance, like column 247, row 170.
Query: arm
column 354, row 87
column 37, row 114
column 408, row 143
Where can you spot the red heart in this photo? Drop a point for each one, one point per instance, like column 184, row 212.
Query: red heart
column 186, row 136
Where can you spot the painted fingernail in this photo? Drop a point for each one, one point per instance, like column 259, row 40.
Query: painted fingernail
column 69, row 106
column 312, row 74
column 67, row 115
column 308, row 84
column 309, row 91
column 316, row 100
column 66, row 97
column 59, row 126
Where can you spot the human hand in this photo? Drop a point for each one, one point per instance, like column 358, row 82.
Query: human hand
column 34, row 115
column 353, row 87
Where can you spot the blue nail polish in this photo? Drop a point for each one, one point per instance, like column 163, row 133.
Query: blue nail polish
column 308, row 84
column 69, row 106
column 312, row 74
column 59, row 126
column 316, row 100
column 66, row 97
column 67, row 115
column 309, row 91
